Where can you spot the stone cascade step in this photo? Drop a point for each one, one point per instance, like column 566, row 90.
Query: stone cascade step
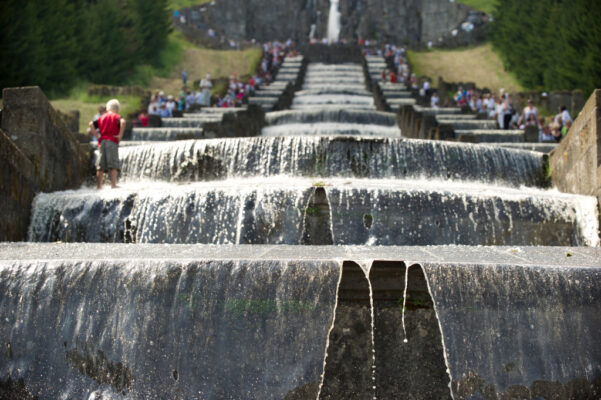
column 277, row 211
column 344, row 156
column 212, row 111
column 438, row 111
column 334, row 87
column 268, row 96
column 479, row 124
column 535, row 147
column 396, row 104
column 268, row 93
column 166, row 134
column 210, row 296
column 190, row 122
column 396, row 94
column 490, row 136
column 198, row 277
column 455, row 117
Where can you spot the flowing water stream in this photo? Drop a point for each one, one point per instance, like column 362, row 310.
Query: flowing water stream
column 195, row 308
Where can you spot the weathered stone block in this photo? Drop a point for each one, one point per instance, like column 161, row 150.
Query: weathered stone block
column 531, row 134
column 17, row 188
column 42, row 135
column 576, row 162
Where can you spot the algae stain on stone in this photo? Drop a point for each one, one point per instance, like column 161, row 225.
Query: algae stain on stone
column 95, row 364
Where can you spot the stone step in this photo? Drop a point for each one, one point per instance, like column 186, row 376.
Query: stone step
column 315, row 156
column 437, row 111
column 392, row 86
column 456, row 117
column 263, row 101
column 268, row 93
column 396, row 94
column 396, row 104
column 264, row 211
column 537, row 147
column 490, row 135
column 469, row 124
column 196, row 122
column 205, row 299
column 166, row 134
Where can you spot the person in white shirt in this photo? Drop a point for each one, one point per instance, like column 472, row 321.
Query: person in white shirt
column 434, row 100
column 565, row 115
column 171, row 104
column 206, row 85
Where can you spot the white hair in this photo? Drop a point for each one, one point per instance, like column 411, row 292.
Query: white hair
column 113, row 105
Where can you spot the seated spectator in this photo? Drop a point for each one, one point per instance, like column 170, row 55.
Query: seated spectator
column 154, row 106
column 544, row 131
column 143, row 118
column 190, row 100
column 164, row 112
column 526, row 113
column 171, row 104
column 556, row 132
column 434, row 100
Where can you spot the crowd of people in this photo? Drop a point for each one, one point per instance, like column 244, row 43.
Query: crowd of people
column 496, row 107
column 238, row 90
column 500, row 108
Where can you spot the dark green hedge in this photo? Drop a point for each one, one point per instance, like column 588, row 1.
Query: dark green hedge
column 550, row 44
column 55, row 43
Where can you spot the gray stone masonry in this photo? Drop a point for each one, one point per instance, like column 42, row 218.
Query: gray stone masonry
column 576, row 163
column 38, row 152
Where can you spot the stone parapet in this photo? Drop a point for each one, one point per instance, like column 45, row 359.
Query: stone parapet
column 17, row 183
column 40, row 154
column 576, row 163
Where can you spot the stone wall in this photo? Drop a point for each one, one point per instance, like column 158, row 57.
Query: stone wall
column 17, row 183
column 413, row 22
column 39, row 153
column 576, row 164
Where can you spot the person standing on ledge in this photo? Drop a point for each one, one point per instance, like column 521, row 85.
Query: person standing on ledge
column 111, row 127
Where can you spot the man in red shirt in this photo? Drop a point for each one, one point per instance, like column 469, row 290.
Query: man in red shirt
column 111, row 127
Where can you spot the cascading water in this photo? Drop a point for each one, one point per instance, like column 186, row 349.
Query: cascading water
column 175, row 321
column 334, row 22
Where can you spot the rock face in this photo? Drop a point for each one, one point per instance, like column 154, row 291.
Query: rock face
column 414, row 22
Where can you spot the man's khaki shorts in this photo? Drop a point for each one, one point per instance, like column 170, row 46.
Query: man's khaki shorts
column 109, row 156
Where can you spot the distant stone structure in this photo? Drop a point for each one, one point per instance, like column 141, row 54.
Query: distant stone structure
column 39, row 153
column 414, row 22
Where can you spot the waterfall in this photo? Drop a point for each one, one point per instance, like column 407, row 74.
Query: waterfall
column 334, row 23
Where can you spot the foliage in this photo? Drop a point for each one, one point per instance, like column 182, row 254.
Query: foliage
column 54, row 44
column 550, row 44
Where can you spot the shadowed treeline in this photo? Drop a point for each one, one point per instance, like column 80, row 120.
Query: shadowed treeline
column 53, row 44
column 550, row 44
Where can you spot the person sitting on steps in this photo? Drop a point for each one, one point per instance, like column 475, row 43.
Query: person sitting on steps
column 111, row 127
